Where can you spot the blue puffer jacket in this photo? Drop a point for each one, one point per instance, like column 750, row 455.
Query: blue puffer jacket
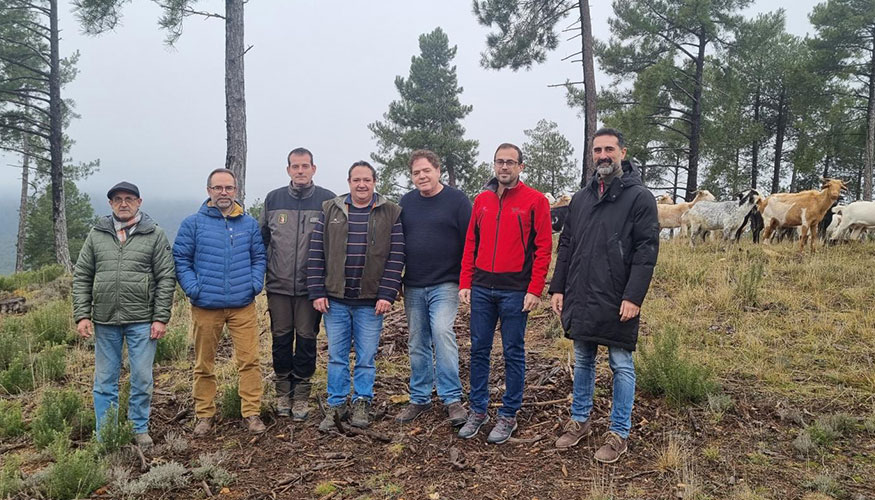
column 220, row 261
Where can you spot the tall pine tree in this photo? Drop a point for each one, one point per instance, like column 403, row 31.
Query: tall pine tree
column 428, row 115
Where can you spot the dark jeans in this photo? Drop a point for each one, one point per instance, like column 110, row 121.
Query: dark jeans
column 487, row 306
column 293, row 326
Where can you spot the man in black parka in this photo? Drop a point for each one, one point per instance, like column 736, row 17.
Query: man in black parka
column 605, row 261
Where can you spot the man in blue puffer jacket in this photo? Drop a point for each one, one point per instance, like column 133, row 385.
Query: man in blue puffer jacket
column 220, row 263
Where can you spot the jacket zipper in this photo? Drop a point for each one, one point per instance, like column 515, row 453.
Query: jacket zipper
column 295, row 265
column 497, row 227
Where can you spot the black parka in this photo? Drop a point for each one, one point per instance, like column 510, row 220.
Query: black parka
column 607, row 252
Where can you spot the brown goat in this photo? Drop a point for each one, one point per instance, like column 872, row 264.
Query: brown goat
column 804, row 209
column 670, row 215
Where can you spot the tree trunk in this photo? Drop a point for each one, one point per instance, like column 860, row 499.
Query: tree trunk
column 589, row 90
column 735, row 168
column 779, row 141
column 870, row 128
column 22, row 208
column 755, row 148
column 235, row 94
column 59, row 213
column 696, row 119
column 826, row 166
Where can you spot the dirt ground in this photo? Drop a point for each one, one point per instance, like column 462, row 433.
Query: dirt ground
column 673, row 453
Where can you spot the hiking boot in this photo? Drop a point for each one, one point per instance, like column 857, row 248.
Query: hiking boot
column 254, row 424
column 143, row 440
column 457, row 414
column 283, row 405
column 612, row 449
column 574, row 431
column 412, row 411
column 328, row 422
column 504, row 427
column 300, row 405
column 473, row 424
column 360, row 413
column 203, row 426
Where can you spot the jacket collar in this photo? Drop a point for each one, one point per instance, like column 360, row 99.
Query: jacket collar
column 345, row 200
column 492, row 185
column 146, row 224
column 302, row 192
column 213, row 211
column 630, row 177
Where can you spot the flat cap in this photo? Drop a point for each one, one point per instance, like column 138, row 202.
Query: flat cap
column 123, row 186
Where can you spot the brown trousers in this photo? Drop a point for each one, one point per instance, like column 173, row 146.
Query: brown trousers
column 243, row 327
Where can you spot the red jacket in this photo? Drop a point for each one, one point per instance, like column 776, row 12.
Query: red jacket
column 509, row 241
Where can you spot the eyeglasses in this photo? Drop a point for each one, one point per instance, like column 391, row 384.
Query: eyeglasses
column 127, row 199
column 227, row 189
column 509, row 163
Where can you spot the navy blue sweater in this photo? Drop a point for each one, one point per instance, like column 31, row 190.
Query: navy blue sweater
column 434, row 236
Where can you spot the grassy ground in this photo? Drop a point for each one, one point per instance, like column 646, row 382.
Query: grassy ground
column 787, row 341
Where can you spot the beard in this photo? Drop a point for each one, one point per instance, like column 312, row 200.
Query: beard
column 606, row 168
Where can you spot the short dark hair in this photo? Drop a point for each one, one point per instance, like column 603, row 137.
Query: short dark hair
column 428, row 155
column 507, row 145
column 221, row 171
column 621, row 141
column 299, row 151
column 361, row 163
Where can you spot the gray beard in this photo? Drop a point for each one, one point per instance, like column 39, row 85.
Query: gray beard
column 606, row 170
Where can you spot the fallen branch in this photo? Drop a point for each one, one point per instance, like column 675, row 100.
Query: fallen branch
column 537, row 403
column 144, row 466
column 206, row 488
column 10, row 447
column 527, row 440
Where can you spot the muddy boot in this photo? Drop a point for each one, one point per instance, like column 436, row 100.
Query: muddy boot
column 283, row 405
column 300, row 401
column 328, row 422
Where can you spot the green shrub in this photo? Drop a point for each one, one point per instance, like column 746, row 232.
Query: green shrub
column 661, row 372
column 11, row 421
column 52, row 323
column 75, row 474
column 747, row 283
column 114, row 434
column 39, row 276
column 18, row 377
column 173, row 346
column 60, row 413
column 229, row 401
column 10, row 477
column 13, row 340
column 51, row 364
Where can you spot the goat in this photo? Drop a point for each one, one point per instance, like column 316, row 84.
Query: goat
column 558, row 212
column 716, row 215
column 665, row 199
column 857, row 216
column 756, row 224
column 670, row 215
column 804, row 209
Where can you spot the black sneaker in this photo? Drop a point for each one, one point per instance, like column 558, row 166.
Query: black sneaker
column 473, row 425
column 504, row 427
column 412, row 411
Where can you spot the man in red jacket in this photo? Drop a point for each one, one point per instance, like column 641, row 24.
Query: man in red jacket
column 507, row 253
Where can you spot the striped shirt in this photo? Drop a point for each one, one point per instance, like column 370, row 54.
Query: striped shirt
column 356, row 248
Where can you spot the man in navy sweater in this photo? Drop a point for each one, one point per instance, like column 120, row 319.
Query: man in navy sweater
column 435, row 219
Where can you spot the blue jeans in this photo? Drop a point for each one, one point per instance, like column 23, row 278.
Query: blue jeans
column 623, row 368
column 487, row 305
column 108, row 341
column 359, row 326
column 434, row 355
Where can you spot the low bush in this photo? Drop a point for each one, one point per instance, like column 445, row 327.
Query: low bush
column 39, row 276
column 747, row 283
column 52, row 323
column 173, row 346
column 166, row 476
column 229, row 401
column 662, row 372
column 11, row 420
column 210, row 469
column 75, row 474
column 13, row 340
column 114, row 433
column 11, row 481
column 61, row 412
column 51, row 364
column 17, row 377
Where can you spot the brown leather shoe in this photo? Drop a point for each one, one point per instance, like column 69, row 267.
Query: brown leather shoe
column 410, row 412
column 254, row 424
column 612, row 449
column 457, row 414
column 203, row 426
column 574, row 431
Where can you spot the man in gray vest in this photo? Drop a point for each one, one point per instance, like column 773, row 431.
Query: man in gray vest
column 290, row 214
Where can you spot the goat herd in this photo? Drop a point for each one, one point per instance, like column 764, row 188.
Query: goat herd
column 805, row 214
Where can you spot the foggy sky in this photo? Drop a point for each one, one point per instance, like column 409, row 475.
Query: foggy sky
column 317, row 74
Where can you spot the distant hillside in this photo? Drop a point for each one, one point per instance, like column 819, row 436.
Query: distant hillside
column 167, row 213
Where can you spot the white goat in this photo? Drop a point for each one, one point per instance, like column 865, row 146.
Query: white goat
column 719, row 215
column 857, row 216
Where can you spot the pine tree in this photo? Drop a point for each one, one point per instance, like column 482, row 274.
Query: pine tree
column 548, row 159
column 428, row 115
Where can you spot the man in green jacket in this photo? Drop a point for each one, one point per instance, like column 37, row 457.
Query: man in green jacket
column 123, row 289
